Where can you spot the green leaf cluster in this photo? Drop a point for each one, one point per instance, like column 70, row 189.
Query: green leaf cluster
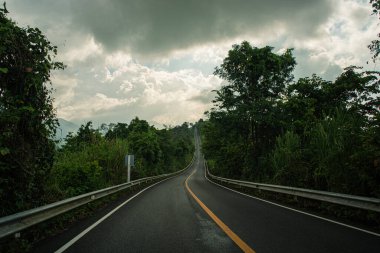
column 309, row 133
column 27, row 119
column 374, row 47
column 92, row 159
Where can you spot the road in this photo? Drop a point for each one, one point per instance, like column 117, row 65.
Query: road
column 168, row 218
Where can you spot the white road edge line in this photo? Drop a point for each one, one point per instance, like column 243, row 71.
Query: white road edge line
column 76, row 238
column 295, row 210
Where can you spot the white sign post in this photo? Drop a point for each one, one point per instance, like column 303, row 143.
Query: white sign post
column 129, row 161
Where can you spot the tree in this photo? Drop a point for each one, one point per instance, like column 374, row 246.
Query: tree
column 120, row 130
column 257, row 78
column 358, row 91
column 225, row 142
column 27, row 119
column 138, row 125
column 86, row 135
column 304, row 105
column 375, row 44
column 311, row 133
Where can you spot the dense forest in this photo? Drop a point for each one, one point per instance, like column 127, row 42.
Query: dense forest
column 90, row 160
column 33, row 170
column 309, row 133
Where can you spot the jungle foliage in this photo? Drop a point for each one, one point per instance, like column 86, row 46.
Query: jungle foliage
column 90, row 160
column 27, row 120
column 33, row 171
column 375, row 44
column 308, row 133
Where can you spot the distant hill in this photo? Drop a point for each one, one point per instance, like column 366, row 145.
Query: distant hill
column 64, row 128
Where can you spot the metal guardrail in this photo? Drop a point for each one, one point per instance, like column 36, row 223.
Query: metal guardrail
column 372, row 204
column 16, row 222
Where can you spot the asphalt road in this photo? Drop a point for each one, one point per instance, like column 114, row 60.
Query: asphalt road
column 167, row 218
column 270, row 228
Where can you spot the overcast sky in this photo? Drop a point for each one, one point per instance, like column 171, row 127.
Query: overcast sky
column 154, row 58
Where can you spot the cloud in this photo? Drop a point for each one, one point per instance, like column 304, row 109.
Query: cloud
column 64, row 89
column 88, row 48
column 118, row 88
column 151, row 27
column 204, row 96
column 155, row 59
column 95, row 105
column 342, row 41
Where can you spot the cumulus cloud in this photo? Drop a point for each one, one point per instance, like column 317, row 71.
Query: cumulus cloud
column 125, row 89
column 64, row 89
column 342, row 41
column 155, row 59
column 88, row 48
column 93, row 106
column 204, row 96
column 151, row 27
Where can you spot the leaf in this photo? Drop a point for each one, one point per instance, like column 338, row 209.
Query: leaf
column 3, row 70
column 27, row 108
column 4, row 151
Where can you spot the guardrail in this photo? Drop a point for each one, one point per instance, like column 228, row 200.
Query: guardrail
column 16, row 222
column 372, row 204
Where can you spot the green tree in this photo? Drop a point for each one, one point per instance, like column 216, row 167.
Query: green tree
column 27, row 120
column 303, row 105
column 120, row 130
column 310, row 133
column 225, row 144
column 286, row 160
column 144, row 144
column 137, row 125
column 85, row 136
column 375, row 44
column 357, row 91
column 256, row 78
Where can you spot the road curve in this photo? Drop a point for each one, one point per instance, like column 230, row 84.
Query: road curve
column 269, row 228
column 164, row 218
column 168, row 218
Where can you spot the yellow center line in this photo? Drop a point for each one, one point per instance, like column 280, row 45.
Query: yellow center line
column 234, row 237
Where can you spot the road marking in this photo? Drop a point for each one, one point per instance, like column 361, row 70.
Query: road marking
column 76, row 238
column 234, row 237
column 295, row 210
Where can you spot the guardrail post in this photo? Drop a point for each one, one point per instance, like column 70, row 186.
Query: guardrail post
column 129, row 161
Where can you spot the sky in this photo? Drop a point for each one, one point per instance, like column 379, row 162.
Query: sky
column 155, row 58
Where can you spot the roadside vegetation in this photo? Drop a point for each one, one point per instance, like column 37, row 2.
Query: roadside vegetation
column 33, row 171
column 310, row 133
column 89, row 160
